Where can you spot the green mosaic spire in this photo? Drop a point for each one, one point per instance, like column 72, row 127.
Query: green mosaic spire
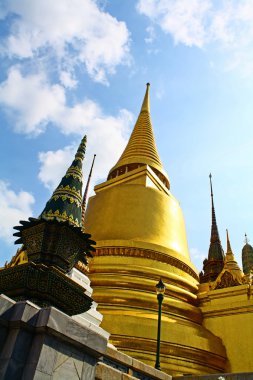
column 65, row 205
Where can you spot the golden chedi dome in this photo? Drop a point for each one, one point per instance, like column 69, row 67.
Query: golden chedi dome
column 140, row 233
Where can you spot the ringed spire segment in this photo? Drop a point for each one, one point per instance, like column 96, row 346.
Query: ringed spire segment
column 141, row 148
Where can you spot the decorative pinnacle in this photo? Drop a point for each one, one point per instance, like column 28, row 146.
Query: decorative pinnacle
column 81, row 149
column 229, row 250
column 210, row 176
column 145, row 105
column 246, row 239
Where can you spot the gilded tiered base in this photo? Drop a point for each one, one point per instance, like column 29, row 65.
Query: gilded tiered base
column 124, row 280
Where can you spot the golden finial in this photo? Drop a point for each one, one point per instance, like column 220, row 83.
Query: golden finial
column 145, row 105
column 211, row 185
column 229, row 250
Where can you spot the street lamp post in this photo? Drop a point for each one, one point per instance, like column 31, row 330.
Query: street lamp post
column 160, row 289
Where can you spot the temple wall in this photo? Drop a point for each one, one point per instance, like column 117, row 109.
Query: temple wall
column 228, row 313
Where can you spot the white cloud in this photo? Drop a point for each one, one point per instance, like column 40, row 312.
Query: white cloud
column 32, row 99
column 77, row 32
column 88, row 116
column 67, row 79
column 54, row 165
column 14, row 207
column 184, row 19
column 151, row 34
column 33, row 102
column 226, row 25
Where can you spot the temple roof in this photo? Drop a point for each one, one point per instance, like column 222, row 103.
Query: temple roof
column 141, row 147
column 65, row 205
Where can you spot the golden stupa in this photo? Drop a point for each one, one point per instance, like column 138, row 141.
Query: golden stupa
column 140, row 233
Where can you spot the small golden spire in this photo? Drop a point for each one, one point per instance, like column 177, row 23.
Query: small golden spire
column 229, row 250
column 229, row 253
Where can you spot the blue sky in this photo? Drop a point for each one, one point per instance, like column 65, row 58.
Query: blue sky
column 70, row 68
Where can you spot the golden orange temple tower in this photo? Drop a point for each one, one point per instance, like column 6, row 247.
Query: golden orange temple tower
column 140, row 233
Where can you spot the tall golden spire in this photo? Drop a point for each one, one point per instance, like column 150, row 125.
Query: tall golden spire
column 141, row 148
